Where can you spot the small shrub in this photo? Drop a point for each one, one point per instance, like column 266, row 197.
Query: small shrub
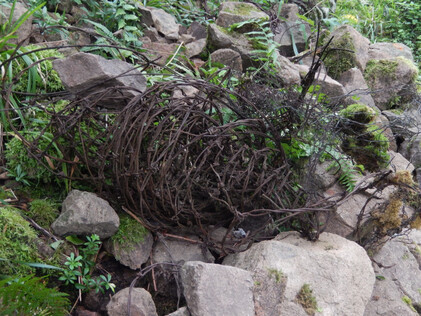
column 307, row 300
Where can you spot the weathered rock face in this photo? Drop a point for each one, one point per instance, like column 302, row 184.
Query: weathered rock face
column 169, row 252
column 141, row 303
column 228, row 57
column 218, row 38
column 284, row 33
column 404, row 124
column 164, row 22
column 389, row 50
column 83, row 74
column 352, row 51
column 392, row 81
column 397, row 266
column 288, row 71
column 132, row 255
column 183, row 311
column 355, row 86
column 411, row 149
column 235, row 12
column 338, row 271
column 84, row 213
column 160, row 52
column 212, row 289
column 25, row 29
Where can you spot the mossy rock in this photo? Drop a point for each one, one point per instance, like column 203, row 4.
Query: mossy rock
column 392, row 80
column 341, row 56
column 360, row 113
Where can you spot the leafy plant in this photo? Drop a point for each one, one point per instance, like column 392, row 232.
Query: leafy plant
column 29, row 295
column 79, row 268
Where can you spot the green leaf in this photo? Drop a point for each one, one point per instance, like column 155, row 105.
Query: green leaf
column 75, row 240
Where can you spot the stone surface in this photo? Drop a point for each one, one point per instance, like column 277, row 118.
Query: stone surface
column 164, row 22
column 404, row 125
column 283, row 36
column 141, row 303
column 398, row 268
column 82, row 74
column 288, row 71
column 351, row 50
column 218, row 37
column 84, row 213
column 235, row 12
column 324, row 177
column 345, row 219
column 338, row 270
column 196, row 48
column 25, row 29
column 268, row 292
column 399, row 162
column 332, row 88
column 133, row 255
column 289, row 11
column 212, row 289
column 179, row 251
column 392, row 81
column 411, row 150
column 228, row 57
column 197, row 30
column 355, row 86
column 160, row 52
column 183, row 311
column 389, row 50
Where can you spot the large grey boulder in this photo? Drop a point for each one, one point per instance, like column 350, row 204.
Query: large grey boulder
column 389, row 50
column 24, row 31
column 392, row 81
column 212, row 289
column 397, row 266
column 338, row 270
column 83, row 73
column 141, row 303
column 84, row 213
column 236, row 12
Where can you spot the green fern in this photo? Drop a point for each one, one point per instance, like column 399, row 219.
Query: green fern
column 348, row 173
column 29, row 296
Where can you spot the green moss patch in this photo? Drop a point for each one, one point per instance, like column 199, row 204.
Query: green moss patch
column 17, row 243
column 43, row 212
column 130, row 233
